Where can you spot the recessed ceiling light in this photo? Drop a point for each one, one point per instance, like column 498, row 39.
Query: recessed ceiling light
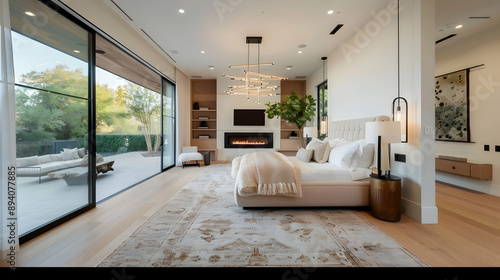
column 302, row 46
column 330, row 12
column 181, row 11
column 299, row 51
column 202, row 51
column 31, row 14
column 76, row 51
column 210, row 67
column 289, row 67
column 459, row 26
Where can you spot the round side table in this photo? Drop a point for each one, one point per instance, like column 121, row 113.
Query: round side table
column 385, row 197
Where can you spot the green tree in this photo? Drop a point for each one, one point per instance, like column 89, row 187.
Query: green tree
column 145, row 106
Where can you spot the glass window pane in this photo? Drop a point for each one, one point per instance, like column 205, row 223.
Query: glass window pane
column 128, row 119
column 51, row 154
column 52, row 122
column 50, row 52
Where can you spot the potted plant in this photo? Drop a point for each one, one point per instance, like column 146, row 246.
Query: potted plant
column 293, row 110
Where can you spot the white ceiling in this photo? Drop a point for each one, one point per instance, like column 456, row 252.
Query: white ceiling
column 220, row 28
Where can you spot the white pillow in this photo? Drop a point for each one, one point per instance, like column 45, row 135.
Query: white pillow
column 304, row 155
column 74, row 152
column 366, row 160
column 346, row 155
column 337, row 142
column 67, row 155
column 321, row 150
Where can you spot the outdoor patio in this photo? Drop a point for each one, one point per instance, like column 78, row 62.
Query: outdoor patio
column 43, row 202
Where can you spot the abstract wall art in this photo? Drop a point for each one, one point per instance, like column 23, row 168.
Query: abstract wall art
column 452, row 107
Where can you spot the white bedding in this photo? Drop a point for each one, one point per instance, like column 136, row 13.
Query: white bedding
column 326, row 172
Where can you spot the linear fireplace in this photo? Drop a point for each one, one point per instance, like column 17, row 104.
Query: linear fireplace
column 248, row 140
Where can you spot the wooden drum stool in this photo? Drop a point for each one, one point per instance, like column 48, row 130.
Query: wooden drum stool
column 385, row 197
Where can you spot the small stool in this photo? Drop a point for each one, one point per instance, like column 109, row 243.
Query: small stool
column 190, row 154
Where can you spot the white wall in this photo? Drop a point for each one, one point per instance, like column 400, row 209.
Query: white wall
column 183, row 86
column 362, row 82
column 481, row 48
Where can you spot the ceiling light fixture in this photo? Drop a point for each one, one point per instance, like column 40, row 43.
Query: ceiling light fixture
column 210, row 67
column 459, row 26
column 202, row 51
column 299, row 52
column 31, row 14
column 255, row 83
column 330, row 12
column 181, row 11
column 76, row 51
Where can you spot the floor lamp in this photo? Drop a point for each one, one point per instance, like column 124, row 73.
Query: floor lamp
column 382, row 134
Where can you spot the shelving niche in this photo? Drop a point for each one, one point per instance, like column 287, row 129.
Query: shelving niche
column 204, row 92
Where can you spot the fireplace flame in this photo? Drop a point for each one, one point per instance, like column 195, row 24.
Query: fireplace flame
column 246, row 142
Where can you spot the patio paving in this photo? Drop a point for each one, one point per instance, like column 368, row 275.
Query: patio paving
column 53, row 198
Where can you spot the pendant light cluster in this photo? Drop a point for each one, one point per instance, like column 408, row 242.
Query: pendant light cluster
column 255, row 82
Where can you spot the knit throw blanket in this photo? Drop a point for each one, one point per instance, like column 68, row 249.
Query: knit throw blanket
column 266, row 173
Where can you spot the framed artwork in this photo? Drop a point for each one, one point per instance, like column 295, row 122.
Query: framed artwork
column 452, row 107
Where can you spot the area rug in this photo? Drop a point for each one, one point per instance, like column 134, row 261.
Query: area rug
column 201, row 226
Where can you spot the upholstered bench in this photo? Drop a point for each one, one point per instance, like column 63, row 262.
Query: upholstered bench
column 190, row 154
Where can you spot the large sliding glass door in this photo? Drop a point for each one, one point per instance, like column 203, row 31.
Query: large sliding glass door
column 51, row 61
column 128, row 119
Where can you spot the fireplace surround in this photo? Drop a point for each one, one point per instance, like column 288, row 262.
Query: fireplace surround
column 247, row 140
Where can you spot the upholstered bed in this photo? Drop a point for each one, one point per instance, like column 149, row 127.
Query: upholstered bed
column 322, row 184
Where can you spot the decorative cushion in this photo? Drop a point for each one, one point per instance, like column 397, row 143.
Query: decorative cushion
column 56, row 157
column 346, row 155
column 67, row 155
column 304, row 155
column 44, row 159
column 337, row 142
column 321, row 150
column 74, row 152
column 366, row 159
column 81, row 152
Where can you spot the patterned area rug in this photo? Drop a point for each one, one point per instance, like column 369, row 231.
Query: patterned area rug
column 201, row 226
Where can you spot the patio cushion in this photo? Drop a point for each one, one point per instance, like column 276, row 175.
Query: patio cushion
column 44, row 159
column 27, row 161
column 58, row 165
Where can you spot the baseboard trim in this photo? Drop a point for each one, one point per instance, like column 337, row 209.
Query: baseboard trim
column 424, row 215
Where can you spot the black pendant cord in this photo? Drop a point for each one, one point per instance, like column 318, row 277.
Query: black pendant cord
column 399, row 75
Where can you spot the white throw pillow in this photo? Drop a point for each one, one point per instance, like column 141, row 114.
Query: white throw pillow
column 337, row 142
column 366, row 160
column 67, row 155
column 304, row 155
column 321, row 150
column 346, row 155
column 74, row 152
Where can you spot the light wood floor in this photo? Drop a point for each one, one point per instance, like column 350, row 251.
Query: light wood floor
column 467, row 234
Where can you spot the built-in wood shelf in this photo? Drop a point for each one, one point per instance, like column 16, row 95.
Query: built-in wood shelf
column 478, row 171
column 204, row 91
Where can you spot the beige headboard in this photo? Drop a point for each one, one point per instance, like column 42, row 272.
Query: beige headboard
column 353, row 129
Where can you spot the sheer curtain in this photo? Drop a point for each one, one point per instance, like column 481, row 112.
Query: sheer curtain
column 9, row 241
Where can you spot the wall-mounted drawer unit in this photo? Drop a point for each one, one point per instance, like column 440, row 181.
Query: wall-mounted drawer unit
column 466, row 169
